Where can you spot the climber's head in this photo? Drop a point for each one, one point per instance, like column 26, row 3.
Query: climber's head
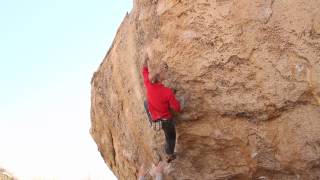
column 163, row 67
column 161, row 74
column 155, row 78
column 163, row 71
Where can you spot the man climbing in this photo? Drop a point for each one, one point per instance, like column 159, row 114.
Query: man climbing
column 159, row 101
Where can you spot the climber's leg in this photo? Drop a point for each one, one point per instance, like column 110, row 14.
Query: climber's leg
column 169, row 129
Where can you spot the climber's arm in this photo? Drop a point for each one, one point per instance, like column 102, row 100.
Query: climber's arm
column 145, row 70
column 145, row 60
column 145, row 74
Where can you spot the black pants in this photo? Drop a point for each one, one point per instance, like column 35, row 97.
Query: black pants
column 169, row 129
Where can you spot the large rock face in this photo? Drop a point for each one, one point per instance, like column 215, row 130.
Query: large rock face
column 250, row 74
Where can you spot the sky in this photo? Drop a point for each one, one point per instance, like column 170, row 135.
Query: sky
column 48, row 53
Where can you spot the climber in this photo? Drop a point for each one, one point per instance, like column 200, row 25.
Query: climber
column 159, row 101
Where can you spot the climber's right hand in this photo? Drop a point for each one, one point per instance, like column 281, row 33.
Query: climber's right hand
column 145, row 60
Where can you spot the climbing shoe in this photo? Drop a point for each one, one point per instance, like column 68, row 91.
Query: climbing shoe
column 171, row 157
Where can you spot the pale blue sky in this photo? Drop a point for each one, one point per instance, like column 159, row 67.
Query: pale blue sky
column 48, row 53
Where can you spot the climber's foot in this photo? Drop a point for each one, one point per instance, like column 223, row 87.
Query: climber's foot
column 171, row 157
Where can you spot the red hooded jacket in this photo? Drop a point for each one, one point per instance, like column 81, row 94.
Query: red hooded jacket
column 160, row 98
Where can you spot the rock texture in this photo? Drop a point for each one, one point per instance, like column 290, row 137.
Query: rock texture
column 250, row 74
